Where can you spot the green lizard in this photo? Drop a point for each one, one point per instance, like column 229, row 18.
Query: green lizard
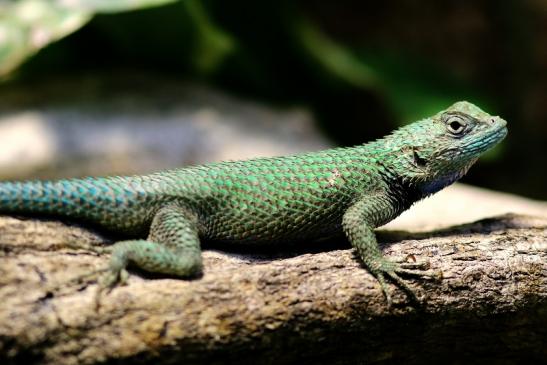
column 268, row 200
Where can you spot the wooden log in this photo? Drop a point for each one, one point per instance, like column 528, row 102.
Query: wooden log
column 312, row 303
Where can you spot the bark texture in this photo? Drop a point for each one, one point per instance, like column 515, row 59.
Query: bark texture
column 312, row 303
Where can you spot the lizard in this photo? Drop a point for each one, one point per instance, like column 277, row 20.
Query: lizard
column 309, row 196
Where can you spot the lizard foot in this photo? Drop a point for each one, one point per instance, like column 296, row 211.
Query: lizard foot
column 107, row 282
column 392, row 275
column 106, row 278
column 85, row 279
column 410, row 262
column 392, row 270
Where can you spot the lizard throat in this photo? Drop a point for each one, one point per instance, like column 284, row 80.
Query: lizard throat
column 440, row 182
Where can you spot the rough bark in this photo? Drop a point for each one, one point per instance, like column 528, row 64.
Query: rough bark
column 314, row 303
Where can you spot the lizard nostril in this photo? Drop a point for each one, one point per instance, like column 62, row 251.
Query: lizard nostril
column 493, row 120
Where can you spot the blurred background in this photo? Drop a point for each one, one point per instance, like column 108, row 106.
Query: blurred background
column 130, row 86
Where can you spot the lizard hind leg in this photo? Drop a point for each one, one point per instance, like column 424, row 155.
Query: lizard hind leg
column 172, row 248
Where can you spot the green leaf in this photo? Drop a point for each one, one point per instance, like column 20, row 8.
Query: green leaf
column 26, row 26
column 212, row 44
column 413, row 88
column 335, row 59
column 111, row 6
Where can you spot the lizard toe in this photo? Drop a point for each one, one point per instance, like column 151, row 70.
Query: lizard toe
column 418, row 272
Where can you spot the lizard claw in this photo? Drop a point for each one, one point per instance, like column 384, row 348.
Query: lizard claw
column 392, row 270
column 385, row 288
column 420, row 272
column 113, row 277
column 106, row 278
column 403, row 285
column 418, row 265
column 90, row 276
column 109, row 280
column 410, row 262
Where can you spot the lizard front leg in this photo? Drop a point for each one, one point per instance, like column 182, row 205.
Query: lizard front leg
column 358, row 223
column 172, row 247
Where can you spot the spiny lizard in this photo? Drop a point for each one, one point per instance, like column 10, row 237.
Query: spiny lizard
column 268, row 200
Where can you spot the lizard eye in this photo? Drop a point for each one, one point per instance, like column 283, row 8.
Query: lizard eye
column 456, row 125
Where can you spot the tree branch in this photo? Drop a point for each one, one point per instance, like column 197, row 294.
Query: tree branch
column 315, row 303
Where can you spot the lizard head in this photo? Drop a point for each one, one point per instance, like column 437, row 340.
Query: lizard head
column 439, row 150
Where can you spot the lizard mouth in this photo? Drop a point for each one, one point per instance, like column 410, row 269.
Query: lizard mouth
column 487, row 139
column 500, row 132
column 501, row 127
column 494, row 137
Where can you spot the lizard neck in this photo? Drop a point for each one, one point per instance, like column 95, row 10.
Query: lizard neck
column 437, row 181
column 412, row 172
column 403, row 192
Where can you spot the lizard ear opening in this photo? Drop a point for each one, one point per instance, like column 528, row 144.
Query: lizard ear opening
column 418, row 160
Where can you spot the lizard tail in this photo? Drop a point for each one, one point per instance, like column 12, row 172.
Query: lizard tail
column 88, row 199
column 41, row 197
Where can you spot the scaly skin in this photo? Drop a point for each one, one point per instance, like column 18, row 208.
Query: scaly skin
column 268, row 200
